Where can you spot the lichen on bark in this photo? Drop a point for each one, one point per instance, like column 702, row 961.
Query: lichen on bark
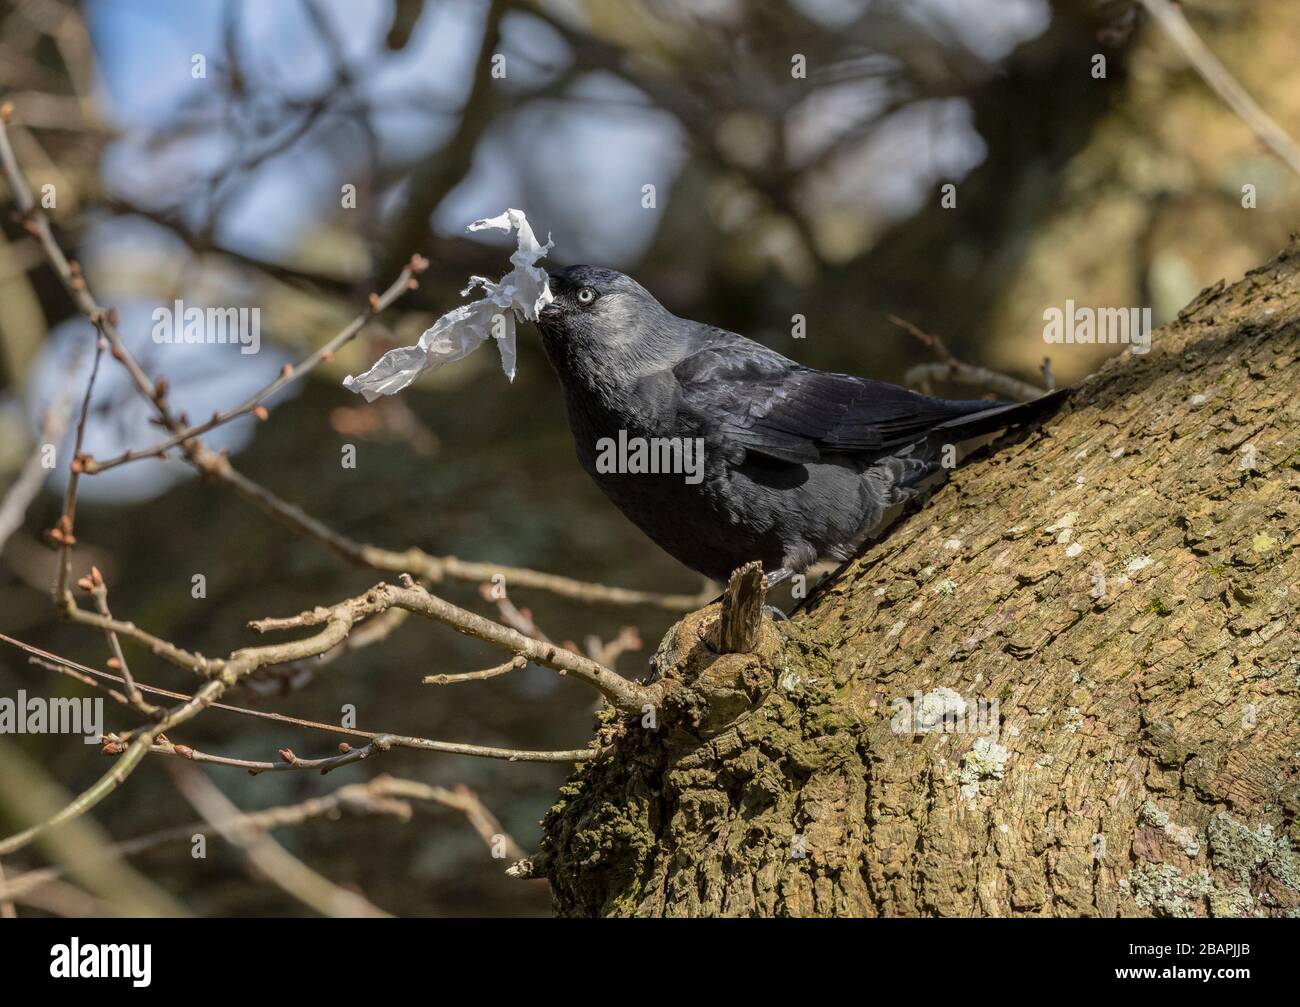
column 1121, row 585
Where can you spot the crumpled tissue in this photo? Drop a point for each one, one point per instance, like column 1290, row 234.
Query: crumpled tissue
column 523, row 291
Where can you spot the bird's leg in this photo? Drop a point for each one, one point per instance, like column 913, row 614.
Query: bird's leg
column 771, row 580
column 777, row 576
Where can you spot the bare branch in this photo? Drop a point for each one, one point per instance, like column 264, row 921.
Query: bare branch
column 28, row 793
column 922, row 376
column 94, row 583
column 276, row 863
column 516, row 663
column 64, row 669
column 407, row 280
column 7, row 910
column 115, row 776
column 384, row 795
column 13, row 508
column 516, row 618
column 284, row 679
column 623, row 694
column 608, row 653
column 1221, row 82
column 221, row 675
column 382, row 740
column 379, row 743
column 484, row 822
column 62, row 534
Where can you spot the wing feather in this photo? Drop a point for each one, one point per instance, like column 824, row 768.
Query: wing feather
column 767, row 404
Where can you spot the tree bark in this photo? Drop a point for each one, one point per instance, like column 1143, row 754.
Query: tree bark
column 1116, row 591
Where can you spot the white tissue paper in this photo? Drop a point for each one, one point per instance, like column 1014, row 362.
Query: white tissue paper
column 522, row 291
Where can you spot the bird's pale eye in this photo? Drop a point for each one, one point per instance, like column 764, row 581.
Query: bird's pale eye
column 586, row 296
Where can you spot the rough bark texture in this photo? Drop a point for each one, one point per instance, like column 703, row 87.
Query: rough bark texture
column 1124, row 582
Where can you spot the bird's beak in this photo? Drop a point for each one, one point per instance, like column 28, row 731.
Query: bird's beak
column 552, row 310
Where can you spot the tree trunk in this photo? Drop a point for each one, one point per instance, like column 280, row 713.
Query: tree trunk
column 1116, row 592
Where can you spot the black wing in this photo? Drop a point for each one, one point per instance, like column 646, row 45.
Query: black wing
column 761, row 401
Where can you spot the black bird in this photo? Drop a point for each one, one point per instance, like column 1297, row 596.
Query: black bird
column 798, row 464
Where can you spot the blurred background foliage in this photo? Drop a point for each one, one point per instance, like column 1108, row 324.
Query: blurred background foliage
column 775, row 195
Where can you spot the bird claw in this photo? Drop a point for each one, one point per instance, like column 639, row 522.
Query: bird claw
column 771, row 580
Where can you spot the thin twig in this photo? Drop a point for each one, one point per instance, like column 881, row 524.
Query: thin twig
column 94, row 583
column 7, row 908
column 384, row 740
column 1221, row 82
column 13, row 509
column 62, row 898
column 223, row 674
column 275, row 863
column 516, row 663
column 379, row 743
column 284, row 679
column 63, row 534
column 115, row 776
column 608, row 653
column 520, row 619
column 623, row 694
column 484, row 822
column 379, row 303
column 950, row 368
column 384, row 795
column 28, row 793
column 423, row 566
column 73, row 673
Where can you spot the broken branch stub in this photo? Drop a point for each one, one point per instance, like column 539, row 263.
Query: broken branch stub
column 742, row 610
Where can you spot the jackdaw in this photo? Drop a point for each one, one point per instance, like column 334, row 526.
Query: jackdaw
column 798, row 464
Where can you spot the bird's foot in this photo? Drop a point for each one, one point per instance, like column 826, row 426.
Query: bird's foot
column 771, row 580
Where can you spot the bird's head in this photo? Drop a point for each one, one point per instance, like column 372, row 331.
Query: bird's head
column 595, row 308
column 586, row 295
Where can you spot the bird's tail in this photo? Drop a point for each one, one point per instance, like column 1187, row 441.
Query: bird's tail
column 999, row 415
